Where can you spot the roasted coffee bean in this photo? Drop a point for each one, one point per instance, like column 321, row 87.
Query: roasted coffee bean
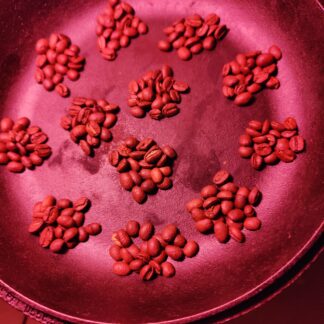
column 168, row 269
column 165, row 184
column 121, row 268
column 81, row 204
column 297, row 144
column 138, row 194
column 46, row 236
column 114, row 252
column 126, row 181
column 36, row 226
column 57, row 245
column 287, row 156
column 236, row 234
column 126, row 255
column 154, row 247
column 236, row 215
column 252, row 223
column 174, row 252
column 194, row 203
column 180, row 241
column 197, row 214
column 70, row 234
column 169, row 233
column 83, row 234
column 124, row 238
column 204, row 225
column 208, row 191
column 146, row 231
column 221, row 177
column 191, row 249
column 221, row 232
column 93, row 228
column 256, row 161
column 226, row 206
column 132, row 228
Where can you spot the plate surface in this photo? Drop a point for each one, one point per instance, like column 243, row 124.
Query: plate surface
column 79, row 285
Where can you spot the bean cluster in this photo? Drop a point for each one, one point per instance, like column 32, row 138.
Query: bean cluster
column 116, row 26
column 192, row 35
column 60, row 223
column 150, row 258
column 156, row 92
column 225, row 208
column 270, row 142
column 57, row 57
column 21, row 145
column 249, row 73
column 144, row 166
column 89, row 122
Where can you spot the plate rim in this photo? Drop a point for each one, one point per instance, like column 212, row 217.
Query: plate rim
column 47, row 315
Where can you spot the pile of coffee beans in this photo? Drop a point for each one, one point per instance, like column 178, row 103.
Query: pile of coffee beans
column 249, row 73
column 116, row 26
column 21, row 145
column 89, row 122
column 57, row 57
column 192, row 35
column 225, row 208
column 149, row 259
column 157, row 93
column 144, row 166
column 269, row 142
column 59, row 223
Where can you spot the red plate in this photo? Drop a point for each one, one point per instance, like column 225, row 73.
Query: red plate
column 79, row 285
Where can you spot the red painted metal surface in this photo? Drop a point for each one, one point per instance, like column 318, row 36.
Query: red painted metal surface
column 79, row 285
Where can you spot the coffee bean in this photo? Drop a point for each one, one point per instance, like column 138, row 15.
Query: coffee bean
column 154, row 247
column 114, row 252
column 146, row 231
column 252, row 223
column 287, row 156
column 83, row 234
column 249, row 211
column 208, row 191
column 226, row 206
column 256, row 161
column 121, row 268
column 221, row 232
column 221, row 177
column 236, row 215
column 275, row 51
column 15, row 167
column 46, row 237
column 245, row 140
column 123, row 238
column 243, row 99
column 236, row 234
column 36, row 226
column 138, row 194
column 297, row 144
column 165, row 184
column 168, row 269
column 132, row 228
column 204, row 225
column 93, row 228
column 136, row 265
column 57, row 245
column 245, row 152
column 180, row 241
column 126, row 181
column 194, row 203
column 191, row 249
column 81, row 204
column 70, row 234
column 174, row 252
column 169, row 233
column 126, row 255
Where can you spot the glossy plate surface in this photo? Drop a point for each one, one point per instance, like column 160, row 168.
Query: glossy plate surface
column 79, row 285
